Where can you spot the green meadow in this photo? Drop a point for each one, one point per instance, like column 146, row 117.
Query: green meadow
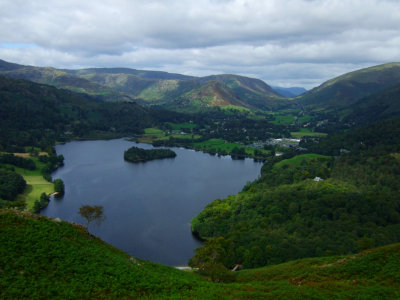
column 36, row 184
column 307, row 132
column 298, row 160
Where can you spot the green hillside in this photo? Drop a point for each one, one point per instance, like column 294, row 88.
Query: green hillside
column 379, row 106
column 172, row 91
column 312, row 205
column 346, row 89
column 46, row 258
column 33, row 114
column 61, row 79
column 186, row 93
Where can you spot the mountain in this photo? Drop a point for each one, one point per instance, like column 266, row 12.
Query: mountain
column 229, row 91
column 154, row 87
column 61, row 79
column 345, row 90
column 253, row 93
column 181, row 92
column 209, row 94
column 47, row 258
column 290, row 92
column 32, row 113
column 144, row 74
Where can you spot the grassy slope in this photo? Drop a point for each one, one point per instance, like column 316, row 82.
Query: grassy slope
column 307, row 132
column 219, row 145
column 36, row 184
column 372, row 274
column 345, row 90
column 297, row 160
column 41, row 258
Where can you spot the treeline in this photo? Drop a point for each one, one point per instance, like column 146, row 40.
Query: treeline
column 287, row 215
column 52, row 162
column 17, row 161
column 39, row 115
column 135, row 154
column 375, row 138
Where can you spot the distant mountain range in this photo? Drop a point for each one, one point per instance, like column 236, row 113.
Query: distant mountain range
column 367, row 93
column 173, row 91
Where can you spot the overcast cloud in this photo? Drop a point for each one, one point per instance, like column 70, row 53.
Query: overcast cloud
column 286, row 43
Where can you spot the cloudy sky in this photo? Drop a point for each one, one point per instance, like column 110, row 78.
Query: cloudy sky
column 286, row 43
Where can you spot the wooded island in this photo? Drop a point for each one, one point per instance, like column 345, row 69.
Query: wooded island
column 135, row 154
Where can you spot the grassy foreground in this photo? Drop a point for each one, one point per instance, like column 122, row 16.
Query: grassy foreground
column 43, row 258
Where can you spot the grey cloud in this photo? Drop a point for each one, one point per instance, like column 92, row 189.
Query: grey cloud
column 289, row 42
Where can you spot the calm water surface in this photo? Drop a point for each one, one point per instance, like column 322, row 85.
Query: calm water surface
column 148, row 206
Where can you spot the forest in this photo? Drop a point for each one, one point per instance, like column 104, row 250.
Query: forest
column 135, row 154
column 311, row 205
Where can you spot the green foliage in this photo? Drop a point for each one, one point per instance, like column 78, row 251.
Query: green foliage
column 11, row 184
column 209, row 260
column 286, row 215
column 41, row 203
column 17, row 161
column 40, row 258
column 92, row 213
column 47, row 259
column 135, row 154
column 372, row 140
column 59, row 186
column 37, row 115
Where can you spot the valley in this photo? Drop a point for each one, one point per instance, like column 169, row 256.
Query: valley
column 324, row 207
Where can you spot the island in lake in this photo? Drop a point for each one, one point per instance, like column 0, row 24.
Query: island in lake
column 135, row 154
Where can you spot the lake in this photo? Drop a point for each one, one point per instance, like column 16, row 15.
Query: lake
column 148, row 206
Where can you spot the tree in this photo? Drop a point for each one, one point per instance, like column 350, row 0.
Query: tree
column 92, row 213
column 209, row 261
column 58, row 186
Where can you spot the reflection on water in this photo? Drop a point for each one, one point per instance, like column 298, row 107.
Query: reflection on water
column 148, row 206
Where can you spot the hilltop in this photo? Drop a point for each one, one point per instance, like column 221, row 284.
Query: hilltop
column 61, row 79
column 49, row 258
column 169, row 90
column 345, row 90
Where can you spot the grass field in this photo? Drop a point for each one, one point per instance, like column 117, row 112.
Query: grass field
column 283, row 120
column 217, row 144
column 307, row 132
column 235, row 108
column 152, row 134
column 36, row 184
column 297, row 160
column 181, row 125
column 221, row 145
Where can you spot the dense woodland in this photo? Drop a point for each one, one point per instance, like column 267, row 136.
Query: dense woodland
column 135, row 154
column 287, row 215
column 39, row 115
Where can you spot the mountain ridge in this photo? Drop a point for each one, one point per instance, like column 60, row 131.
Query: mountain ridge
column 346, row 89
column 150, row 87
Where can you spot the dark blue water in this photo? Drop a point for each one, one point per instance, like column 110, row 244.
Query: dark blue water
column 148, row 206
